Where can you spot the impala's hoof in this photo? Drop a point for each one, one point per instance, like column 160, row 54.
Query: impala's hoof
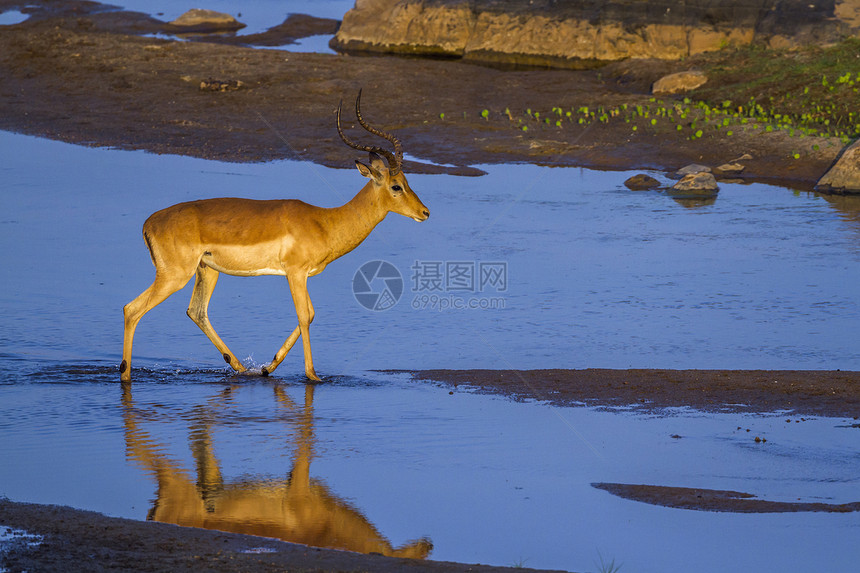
column 264, row 372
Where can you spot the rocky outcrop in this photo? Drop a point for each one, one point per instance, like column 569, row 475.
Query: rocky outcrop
column 844, row 177
column 581, row 34
column 679, row 82
column 204, row 22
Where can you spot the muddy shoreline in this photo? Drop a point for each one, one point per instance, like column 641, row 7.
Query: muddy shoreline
column 78, row 540
column 830, row 393
column 90, row 77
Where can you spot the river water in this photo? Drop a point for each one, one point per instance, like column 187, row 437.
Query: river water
column 526, row 267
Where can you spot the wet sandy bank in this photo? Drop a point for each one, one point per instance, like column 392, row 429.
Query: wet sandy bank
column 79, row 540
column 803, row 392
column 90, row 77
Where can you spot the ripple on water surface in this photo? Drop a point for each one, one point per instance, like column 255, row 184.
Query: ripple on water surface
column 410, row 461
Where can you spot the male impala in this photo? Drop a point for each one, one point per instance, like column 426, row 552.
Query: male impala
column 245, row 237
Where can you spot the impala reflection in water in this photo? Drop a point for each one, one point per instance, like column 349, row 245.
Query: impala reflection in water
column 296, row 509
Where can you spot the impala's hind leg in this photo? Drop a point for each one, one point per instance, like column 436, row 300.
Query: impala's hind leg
column 163, row 286
column 204, row 284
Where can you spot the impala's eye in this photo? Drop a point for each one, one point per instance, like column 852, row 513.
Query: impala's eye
column 396, row 188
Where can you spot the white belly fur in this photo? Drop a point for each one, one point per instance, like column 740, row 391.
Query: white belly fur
column 245, row 261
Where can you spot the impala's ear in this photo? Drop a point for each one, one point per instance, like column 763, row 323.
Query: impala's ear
column 370, row 172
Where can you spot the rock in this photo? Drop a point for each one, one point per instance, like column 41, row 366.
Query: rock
column 691, row 169
column 679, row 82
column 844, row 177
column 702, row 183
column 582, row 34
column 205, row 22
column 641, row 182
column 732, row 168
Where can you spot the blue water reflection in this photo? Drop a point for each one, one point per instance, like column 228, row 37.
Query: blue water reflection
column 407, row 460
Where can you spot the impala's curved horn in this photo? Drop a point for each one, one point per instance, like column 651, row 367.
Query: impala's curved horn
column 394, row 159
column 398, row 150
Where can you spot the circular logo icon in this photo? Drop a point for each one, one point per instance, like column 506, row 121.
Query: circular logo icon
column 377, row 285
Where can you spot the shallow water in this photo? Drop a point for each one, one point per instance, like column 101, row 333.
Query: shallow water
column 257, row 15
column 11, row 17
column 485, row 479
column 594, row 276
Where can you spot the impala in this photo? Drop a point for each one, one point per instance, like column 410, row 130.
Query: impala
column 287, row 237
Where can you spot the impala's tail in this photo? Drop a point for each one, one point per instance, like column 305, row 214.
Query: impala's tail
column 149, row 246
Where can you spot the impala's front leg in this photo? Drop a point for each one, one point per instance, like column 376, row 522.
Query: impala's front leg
column 305, row 314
